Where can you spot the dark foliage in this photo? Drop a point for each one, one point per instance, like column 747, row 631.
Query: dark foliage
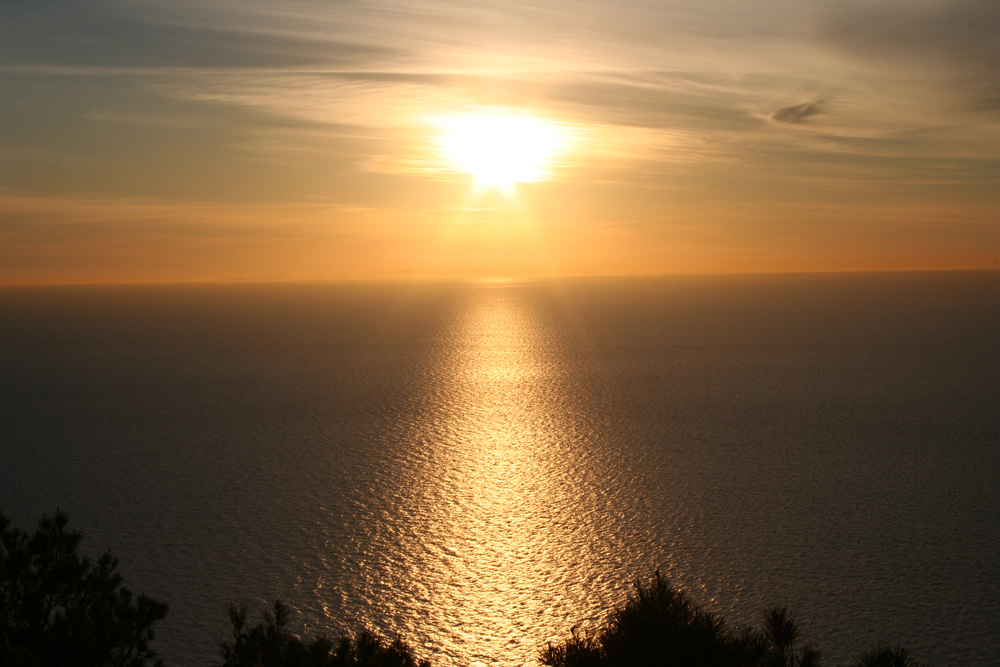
column 270, row 644
column 58, row 608
column 658, row 626
column 885, row 656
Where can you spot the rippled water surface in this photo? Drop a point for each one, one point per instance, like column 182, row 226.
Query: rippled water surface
column 481, row 467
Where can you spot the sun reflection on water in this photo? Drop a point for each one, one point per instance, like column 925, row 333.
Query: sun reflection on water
column 492, row 516
column 496, row 517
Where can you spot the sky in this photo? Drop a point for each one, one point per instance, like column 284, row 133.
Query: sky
column 168, row 140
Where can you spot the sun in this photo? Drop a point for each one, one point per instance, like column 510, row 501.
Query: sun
column 500, row 150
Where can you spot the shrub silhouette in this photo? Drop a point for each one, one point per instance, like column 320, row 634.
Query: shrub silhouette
column 780, row 633
column 885, row 656
column 270, row 644
column 60, row 609
column 658, row 626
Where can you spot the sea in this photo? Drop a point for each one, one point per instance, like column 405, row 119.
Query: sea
column 481, row 468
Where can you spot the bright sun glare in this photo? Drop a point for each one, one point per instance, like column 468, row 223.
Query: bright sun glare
column 500, row 150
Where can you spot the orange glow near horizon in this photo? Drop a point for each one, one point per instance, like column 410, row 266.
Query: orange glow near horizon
column 447, row 230
column 380, row 141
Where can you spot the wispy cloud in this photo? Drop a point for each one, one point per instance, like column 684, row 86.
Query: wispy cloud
column 797, row 113
column 948, row 47
column 166, row 35
column 278, row 105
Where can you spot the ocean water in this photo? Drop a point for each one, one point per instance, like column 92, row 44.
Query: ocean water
column 479, row 468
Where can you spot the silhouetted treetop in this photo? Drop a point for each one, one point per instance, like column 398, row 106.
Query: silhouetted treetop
column 269, row 643
column 659, row 627
column 60, row 609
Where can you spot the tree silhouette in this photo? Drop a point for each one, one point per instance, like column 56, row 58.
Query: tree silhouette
column 58, row 608
column 270, row 644
column 780, row 633
column 658, row 626
column 885, row 656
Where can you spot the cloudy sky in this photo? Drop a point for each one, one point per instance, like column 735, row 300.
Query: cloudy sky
column 169, row 140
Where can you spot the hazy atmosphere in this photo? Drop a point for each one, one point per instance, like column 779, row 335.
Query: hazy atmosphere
column 179, row 141
column 568, row 333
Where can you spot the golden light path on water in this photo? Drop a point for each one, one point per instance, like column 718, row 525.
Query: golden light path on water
column 500, row 528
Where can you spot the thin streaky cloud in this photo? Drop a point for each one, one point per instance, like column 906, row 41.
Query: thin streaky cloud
column 797, row 113
column 686, row 116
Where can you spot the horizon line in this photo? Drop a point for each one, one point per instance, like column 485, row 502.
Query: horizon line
column 534, row 278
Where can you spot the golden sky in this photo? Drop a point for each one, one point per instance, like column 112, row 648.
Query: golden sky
column 171, row 140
